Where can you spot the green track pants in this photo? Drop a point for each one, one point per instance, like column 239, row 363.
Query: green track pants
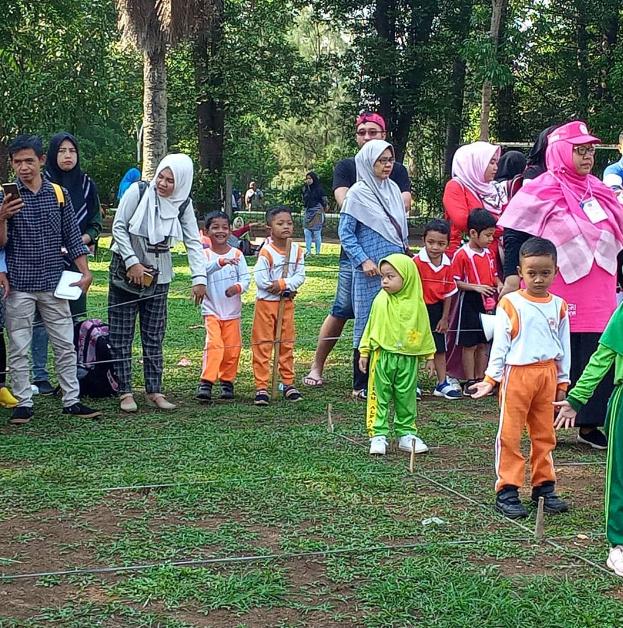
column 614, row 468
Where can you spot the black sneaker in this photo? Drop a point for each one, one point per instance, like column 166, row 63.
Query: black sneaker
column 21, row 415
column 261, row 397
column 508, row 503
column 227, row 391
column 204, row 391
column 467, row 387
column 552, row 504
column 291, row 393
column 594, row 438
column 44, row 387
column 82, row 411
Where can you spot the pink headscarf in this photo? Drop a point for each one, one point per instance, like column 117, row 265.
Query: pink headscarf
column 469, row 165
column 549, row 207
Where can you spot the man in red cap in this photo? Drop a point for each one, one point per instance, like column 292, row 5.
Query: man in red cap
column 369, row 126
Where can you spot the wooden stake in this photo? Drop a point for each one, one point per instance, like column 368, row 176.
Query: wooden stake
column 539, row 531
column 282, row 307
column 412, row 457
column 330, row 426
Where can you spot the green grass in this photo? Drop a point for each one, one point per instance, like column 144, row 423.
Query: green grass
column 272, row 486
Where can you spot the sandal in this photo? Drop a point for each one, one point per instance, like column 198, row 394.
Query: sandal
column 360, row 395
column 313, row 382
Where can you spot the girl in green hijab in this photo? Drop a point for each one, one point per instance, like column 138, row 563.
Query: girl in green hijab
column 609, row 352
column 397, row 336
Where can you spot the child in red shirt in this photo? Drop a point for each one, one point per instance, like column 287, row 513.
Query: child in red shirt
column 477, row 279
column 438, row 285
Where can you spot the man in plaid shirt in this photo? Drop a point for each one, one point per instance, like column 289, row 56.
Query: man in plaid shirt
column 33, row 229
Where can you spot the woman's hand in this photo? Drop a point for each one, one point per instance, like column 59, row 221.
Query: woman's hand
column 369, row 268
column 136, row 274
column 488, row 291
column 511, row 283
column 566, row 415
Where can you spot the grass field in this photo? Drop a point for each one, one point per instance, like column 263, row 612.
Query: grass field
column 279, row 521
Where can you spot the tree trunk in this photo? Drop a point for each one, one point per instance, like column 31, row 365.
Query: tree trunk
column 4, row 161
column 454, row 126
column 499, row 7
column 385, row 26
column 210, row 109
column 609, row 39
column 154, row 110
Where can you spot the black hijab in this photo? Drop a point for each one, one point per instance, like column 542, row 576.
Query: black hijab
column 536, row 156
column 77, row 183
column 512, row 163
column 313, row 195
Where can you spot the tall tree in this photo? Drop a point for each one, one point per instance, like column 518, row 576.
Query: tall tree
column 152, row 26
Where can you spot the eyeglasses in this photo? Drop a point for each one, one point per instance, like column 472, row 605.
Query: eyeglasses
column 370, row 132
column 386, row 160
column 584, row 150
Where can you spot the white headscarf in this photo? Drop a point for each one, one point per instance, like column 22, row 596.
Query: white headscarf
column 156, row 218
column 371, row 199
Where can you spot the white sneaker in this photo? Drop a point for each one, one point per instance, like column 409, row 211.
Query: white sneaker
column 615, row 560
column 406, row 444
column 378, row 446
column 454, row 382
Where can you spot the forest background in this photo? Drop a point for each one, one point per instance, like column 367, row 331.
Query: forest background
column 269, row 89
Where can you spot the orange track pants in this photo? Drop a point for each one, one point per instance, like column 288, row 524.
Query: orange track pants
column 526, row 396
column 263, row 338
column 222, row 350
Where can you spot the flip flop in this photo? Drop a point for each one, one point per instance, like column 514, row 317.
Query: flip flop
column 313, row 382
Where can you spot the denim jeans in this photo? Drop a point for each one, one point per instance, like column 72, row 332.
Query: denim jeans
column 39, row 350
column 316, row 237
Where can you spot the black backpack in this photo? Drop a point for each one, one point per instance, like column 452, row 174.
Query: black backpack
column 96, row 372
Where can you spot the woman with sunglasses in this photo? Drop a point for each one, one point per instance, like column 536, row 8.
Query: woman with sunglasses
column 582, row 217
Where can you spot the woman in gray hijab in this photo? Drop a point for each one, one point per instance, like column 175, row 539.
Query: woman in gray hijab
column 373, row 225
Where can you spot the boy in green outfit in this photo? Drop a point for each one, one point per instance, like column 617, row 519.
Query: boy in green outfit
column 609, row 351
column 397, row 336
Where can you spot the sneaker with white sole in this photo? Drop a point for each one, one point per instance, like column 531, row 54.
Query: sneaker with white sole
column 405, row 443
column 446, row 391
column 378, row 446
column 418, row 394
column 615, row 560
column 454, row 383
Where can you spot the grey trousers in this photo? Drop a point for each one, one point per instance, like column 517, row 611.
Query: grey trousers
column 56, row 315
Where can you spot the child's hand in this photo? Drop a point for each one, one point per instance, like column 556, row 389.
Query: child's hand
column 363, row 364
column 482, row 389
column 369, row 268
column 231, row 261
column 442, row 326
column 232, row 291
column 430, row 367
column 274, row 288
column 488, row 291
column 500, row 286
column 566, row 415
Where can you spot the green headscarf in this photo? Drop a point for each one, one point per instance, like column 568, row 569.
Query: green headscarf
column 613, row 334
column 399, row 322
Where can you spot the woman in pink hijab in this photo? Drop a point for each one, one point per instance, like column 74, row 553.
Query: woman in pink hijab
column 582, row 217
column 472, row 187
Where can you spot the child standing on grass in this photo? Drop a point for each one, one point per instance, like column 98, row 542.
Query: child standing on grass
column 530, row 358
column 396, row 337
column 438, row 285
column 271, row 288
column 477, row 279
column 228, row 278
column 609, row 352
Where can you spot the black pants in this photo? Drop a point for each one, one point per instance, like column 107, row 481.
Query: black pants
column 360, row 379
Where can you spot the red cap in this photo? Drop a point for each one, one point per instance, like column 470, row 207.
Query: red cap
column 574, row 132
column 368, row 116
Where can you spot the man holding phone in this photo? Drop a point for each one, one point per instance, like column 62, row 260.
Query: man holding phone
column 34, row 226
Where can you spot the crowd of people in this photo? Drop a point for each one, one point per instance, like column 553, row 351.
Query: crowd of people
column 530, row 242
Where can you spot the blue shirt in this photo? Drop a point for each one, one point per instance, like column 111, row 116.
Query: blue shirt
column 615, row 168
column 35, row 236
column 3, row 268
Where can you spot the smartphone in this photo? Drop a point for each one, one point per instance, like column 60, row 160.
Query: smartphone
column 148, row 279
column 11, row 188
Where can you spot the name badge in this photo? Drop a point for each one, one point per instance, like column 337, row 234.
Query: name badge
column 593, row 210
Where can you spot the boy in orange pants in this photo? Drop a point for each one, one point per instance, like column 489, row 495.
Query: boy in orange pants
column 228, row 278
column 271, row 288
column 531, row 358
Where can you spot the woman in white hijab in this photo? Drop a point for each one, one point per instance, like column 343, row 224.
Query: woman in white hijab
column 373, row 225
column 149, row 221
